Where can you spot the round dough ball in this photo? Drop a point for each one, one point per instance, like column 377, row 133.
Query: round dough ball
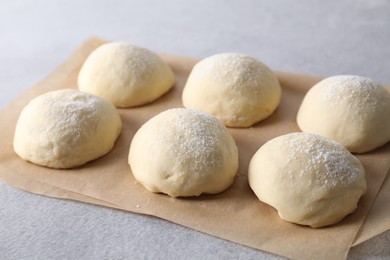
column 236, row 88
column 352, row 110
column 66, row 128
column 184, row 152
column 125, row 74
column 308, row 179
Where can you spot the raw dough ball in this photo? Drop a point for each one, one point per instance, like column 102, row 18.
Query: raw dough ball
column 184, row 152
column 66, row 128
column 126, row 75
column 352, row 110
column 236, row 88
column 309, row 179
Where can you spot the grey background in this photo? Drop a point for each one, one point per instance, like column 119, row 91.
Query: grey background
column 311, row 37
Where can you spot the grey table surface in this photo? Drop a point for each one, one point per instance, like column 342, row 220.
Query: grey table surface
column 312, row 37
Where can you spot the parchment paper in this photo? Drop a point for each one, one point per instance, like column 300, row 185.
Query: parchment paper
column 378, row 219
column 235, row 214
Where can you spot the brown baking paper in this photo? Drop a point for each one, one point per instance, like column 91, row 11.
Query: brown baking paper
column 378, row 219
column 235, row 214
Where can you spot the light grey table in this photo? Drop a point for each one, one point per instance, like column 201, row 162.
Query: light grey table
column 311, row 37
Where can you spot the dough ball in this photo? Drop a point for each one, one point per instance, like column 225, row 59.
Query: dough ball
column 236, row 88
column 125, row 74
column 66, row 128
column 352, row 110
column 184, row 152
column 307, row 178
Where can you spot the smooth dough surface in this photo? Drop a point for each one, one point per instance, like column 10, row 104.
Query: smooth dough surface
column 66, row 128
column 184, row 152
column 125, row 74
column 236, row 88
column 309, row 179
column 352, row 110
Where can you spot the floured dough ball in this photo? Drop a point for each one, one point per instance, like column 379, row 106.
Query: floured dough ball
column 66, row 128
column 184, row 152
column 352, row 110
column 125, row 74
column 307, row 178
column 236, row 88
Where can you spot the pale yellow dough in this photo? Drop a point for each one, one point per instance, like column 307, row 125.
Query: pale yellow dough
column 236, row 88
column 352, row 110
column 309, row 179
column 66, row 128
column 184, row 152
column 125, row 74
